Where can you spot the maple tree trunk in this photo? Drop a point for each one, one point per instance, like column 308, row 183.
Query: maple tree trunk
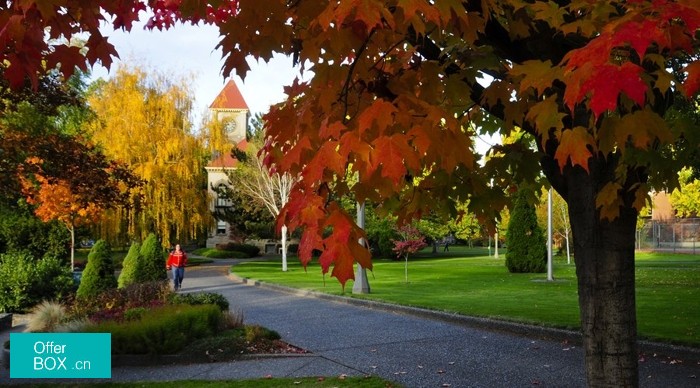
column 604, row 256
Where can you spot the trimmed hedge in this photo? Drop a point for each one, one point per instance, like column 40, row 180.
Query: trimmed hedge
column 219, row 254
column 131, row 266
column 248, row 249
column 527, row 245
column 98, row 275
column 165, row 330
column 153, row 261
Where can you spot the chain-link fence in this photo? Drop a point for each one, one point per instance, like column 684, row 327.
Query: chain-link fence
column 680, row 236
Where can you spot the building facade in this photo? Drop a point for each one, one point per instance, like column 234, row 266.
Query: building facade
column 229, row 107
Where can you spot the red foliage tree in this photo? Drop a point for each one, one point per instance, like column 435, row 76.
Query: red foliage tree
column 411, row 242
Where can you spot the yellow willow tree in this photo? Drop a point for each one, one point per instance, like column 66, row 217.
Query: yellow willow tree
column 143, row 119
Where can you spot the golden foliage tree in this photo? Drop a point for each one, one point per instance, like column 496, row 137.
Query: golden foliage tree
column 144, row 121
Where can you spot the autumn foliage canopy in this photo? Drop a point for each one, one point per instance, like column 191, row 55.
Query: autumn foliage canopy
column 398, row 92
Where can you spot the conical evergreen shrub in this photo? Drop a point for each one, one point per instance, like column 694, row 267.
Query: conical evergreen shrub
column 153, row 261
column 98, row 274
column 131, row 266
column 527, row 246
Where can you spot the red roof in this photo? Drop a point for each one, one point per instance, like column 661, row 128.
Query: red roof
column 226, row 160
column 229, row 98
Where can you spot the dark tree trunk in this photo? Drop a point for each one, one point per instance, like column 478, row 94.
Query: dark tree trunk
column 606, row 283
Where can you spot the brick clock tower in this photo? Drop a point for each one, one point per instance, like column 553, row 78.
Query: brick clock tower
column 230, row 108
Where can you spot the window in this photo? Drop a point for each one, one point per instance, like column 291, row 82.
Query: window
column 222, row 202
column 221, row 227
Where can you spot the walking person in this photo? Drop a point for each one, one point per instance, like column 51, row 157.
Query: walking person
column 177, row 260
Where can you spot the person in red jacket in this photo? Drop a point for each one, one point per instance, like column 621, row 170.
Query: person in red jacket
column 177, row 260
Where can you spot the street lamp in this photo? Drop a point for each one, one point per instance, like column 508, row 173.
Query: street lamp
column 549, row 235
column 361, row 285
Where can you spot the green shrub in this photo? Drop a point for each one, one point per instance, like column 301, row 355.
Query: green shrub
column 527, row 247
column 153, row 261
column 135, row 313
column 201, row 298
column 219, row 254
column 99, row 272
column 248, row 249
column 164, row 330
column 22, row 232
column 131, row 266
column 381, row 233
column 24, row 281
column 255, row 333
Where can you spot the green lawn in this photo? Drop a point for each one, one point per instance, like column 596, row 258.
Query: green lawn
column 470, row 282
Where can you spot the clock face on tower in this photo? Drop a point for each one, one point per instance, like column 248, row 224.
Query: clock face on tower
column 231, row 126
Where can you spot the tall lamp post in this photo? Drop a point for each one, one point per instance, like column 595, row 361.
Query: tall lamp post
column 549, row 235
column 361, row 285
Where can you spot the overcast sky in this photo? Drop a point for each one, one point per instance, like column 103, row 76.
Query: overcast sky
column 185, row 50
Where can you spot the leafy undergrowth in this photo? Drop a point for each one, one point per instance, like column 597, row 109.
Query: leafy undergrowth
column 233, row 344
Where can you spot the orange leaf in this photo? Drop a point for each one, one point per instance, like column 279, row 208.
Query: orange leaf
column 608, row 201
column 535, row 74
column 379, row 114
column 641, row 195
column 573, row 146
column 545, row 115
column 389, row 154
column 310, row 240
column 325, row 159
column 332, row 130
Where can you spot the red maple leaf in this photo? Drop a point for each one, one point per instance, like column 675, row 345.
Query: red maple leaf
column 379, row 114
column 392, row 154
column 604, row 83
column 609, row 80
column 325, row 159
column 310, row 240
column 68, row 57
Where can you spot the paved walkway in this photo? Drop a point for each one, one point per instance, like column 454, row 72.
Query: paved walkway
column 404, row 348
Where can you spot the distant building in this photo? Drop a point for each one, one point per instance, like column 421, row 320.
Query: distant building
column 228, row 107
column 661, row 209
